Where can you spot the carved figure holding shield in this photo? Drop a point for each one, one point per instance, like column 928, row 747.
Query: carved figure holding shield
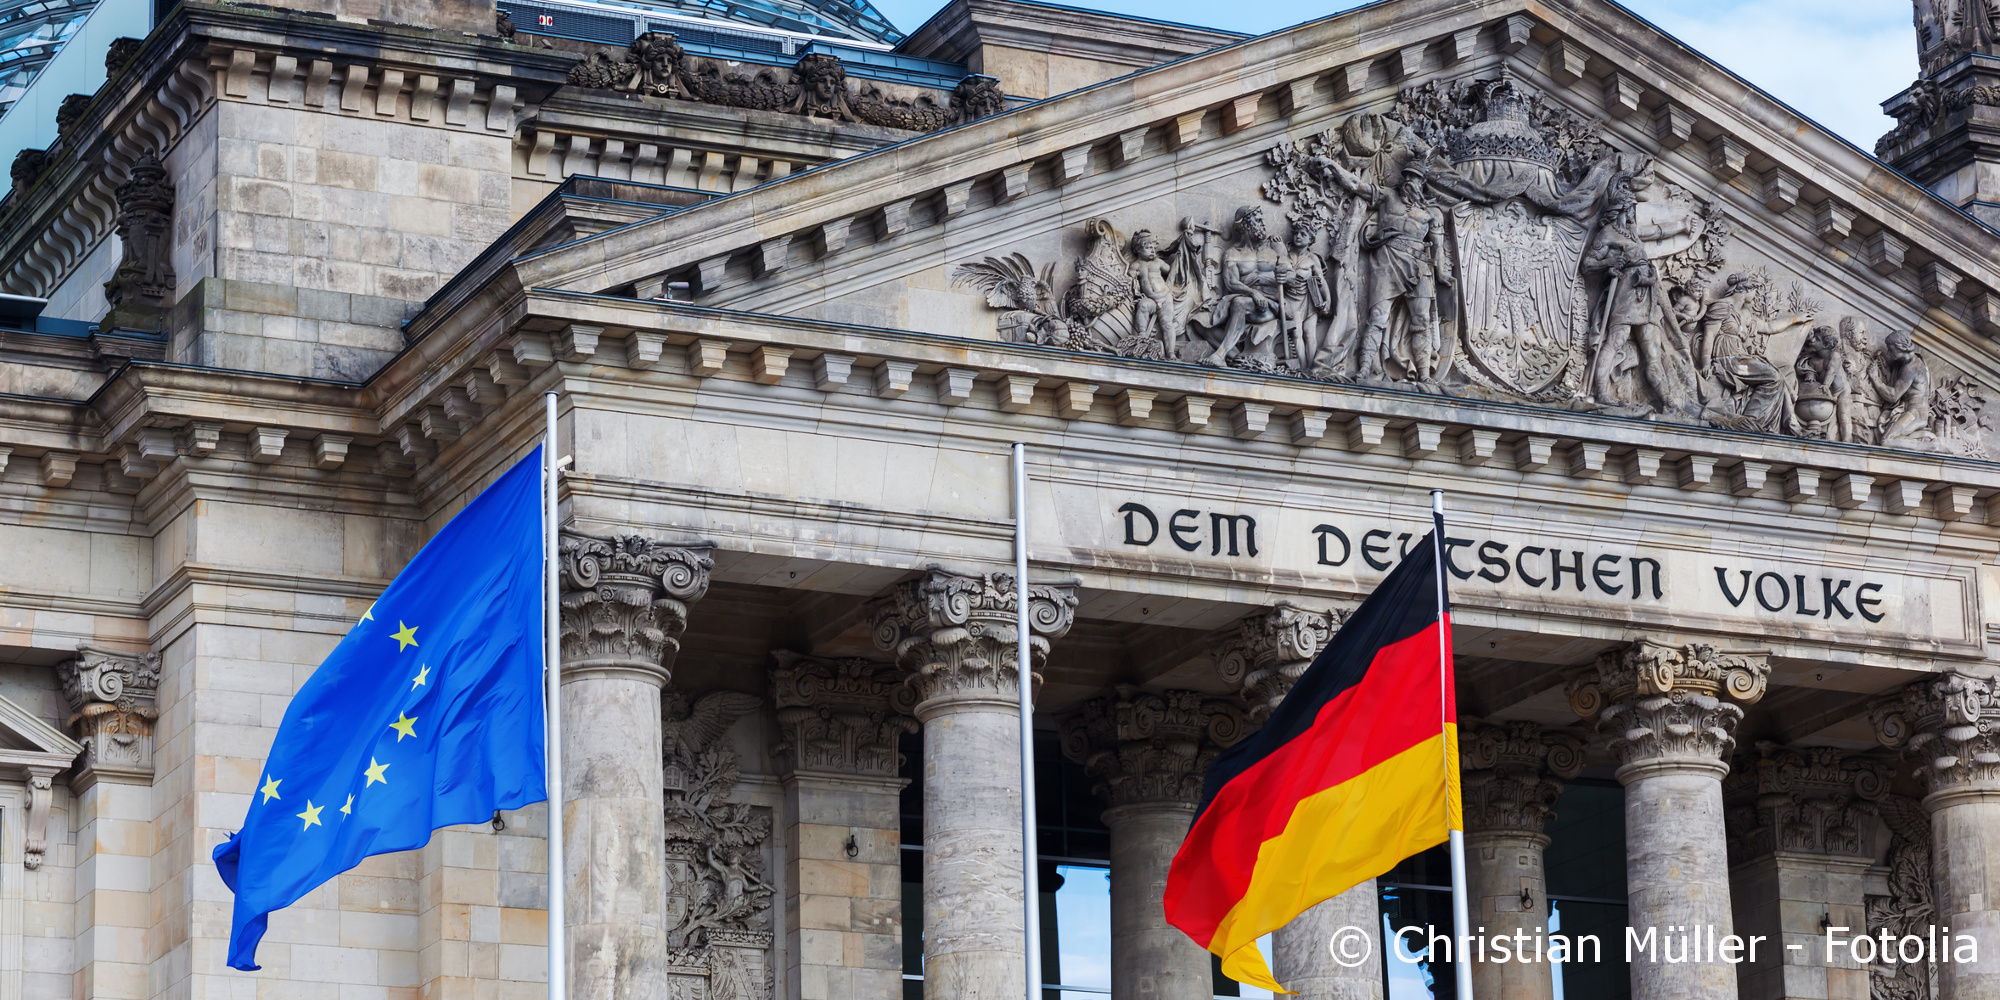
column 1253, row 272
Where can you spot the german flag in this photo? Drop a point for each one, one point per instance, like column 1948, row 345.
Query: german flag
column 1347, row 778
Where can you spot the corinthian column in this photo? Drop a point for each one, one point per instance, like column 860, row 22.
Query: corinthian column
column 1514, row 772
column 1945, row 724
column 1148, row 752
column 956, row 635
column 1268, row 654
column 1671, row 713
column 624, row 605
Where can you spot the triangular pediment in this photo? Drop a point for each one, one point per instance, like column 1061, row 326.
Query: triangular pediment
column 1756, row 227
column 25, row 739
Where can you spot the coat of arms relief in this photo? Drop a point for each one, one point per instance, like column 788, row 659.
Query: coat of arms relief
column 1479, row 240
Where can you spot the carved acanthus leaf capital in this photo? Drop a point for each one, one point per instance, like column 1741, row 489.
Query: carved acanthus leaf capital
column 840, row 716
column 957, row 635
column 1670, row 705
column 1945, row 724
column 625, row 600
column 113, row 700
column 1513, row 773
column 1270, row 650
column 1146, row 747
column 1813, row 800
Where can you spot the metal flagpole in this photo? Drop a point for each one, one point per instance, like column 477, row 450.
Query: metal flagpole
column 552, row 679
column 1461, row 911
column 1024, row 669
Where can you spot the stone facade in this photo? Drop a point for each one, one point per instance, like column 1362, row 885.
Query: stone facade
column 1705, row 389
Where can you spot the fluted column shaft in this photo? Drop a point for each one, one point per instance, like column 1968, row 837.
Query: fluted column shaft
column 1671, row 712
column 1148, row 751
column 1513, row 774
column 956, row 635
column 1946, row 725
column 1268, row 654
column 624, row 605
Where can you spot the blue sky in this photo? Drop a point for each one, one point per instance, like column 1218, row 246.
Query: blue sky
column 1834, row 60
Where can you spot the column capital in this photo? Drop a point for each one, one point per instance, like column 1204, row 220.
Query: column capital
column 625, row 602
column 1946, row 725
column 1812, row 800
column 1670, row 707
column 956, row 634
column 1148, row 748
column 840, row 716
column 1269, row 650
column 1513, row 772
column 113, row 700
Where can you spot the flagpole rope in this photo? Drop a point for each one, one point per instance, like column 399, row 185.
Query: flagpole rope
column 552, row 679
column 1031, row 915
column 1461, row 912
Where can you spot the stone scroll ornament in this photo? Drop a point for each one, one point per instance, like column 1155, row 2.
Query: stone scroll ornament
column 1479, row 240
column 817, row 86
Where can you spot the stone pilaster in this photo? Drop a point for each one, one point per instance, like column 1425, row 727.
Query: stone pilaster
column 840, row 720
column 1265, row 656
column 1800, row 853
column 956, row 636
column 1671, row 713
column 112, row 703
column 624, row 606
column 1514, row 772
column 1148, row 752
column 1946, row 725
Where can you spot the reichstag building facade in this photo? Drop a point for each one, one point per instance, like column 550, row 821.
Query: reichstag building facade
column 1710, row 392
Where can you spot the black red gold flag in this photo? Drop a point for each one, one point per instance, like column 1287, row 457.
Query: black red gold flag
column 1348, row 777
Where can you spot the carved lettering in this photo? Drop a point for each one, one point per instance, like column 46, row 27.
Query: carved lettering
column 1346, row 547
column 1152, row 524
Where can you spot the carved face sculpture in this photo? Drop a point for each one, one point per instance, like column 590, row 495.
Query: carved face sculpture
column 1854, row 333
column 1301, row 238
column 1249, row 226
column 1144, row 245
column 1898, row 347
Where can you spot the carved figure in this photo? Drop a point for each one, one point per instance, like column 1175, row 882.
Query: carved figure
column 1026, row 298
column 1252, row 272
column 1741, row 387
column 1154, row 306
column 70, row 111
column 1632, row 328
column 976, row 97
column 1857, row 410
column 1307, row 298
column 655, row 64
column 27, row 168
column 138, row 291
column 121, row 53
column 822, row 88
column 1820, row 383
column 504, row 25
column 1902, row 381
column 1405, row 265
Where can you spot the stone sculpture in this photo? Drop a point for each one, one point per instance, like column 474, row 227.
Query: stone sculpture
column 655, row 65
column 718, row 890
column 143, row 285
column 1479, row 240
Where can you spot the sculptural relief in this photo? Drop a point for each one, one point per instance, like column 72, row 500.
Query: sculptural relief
column 655, row 65
column 1479, row 240
column 719, row 893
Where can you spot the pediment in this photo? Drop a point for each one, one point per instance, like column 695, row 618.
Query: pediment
column 27, row 741
column 1587, row 181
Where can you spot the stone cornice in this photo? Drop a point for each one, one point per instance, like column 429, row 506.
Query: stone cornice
column 957, row 32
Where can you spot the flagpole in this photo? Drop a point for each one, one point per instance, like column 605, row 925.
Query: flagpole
column 1461, row 911
column 1024, row 669
column 552, row 679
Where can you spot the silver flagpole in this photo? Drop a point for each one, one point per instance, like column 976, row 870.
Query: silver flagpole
column 1024, row 664
column 552, row 678
column 1461, row 911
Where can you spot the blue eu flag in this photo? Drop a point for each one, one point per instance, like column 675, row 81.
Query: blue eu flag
column 428, row 714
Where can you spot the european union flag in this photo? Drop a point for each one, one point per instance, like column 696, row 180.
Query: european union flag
column 428, row 714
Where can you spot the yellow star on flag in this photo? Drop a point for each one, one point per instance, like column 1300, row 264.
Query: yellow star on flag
column 423, row 672
column 270, row 788
column 311, row 815
column 348, row 809
column 404, row 726
column 368, row 615
column 375, row 770
column 406, row 636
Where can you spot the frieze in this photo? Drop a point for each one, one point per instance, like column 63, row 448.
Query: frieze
column 817, row 86
column 1477, row 240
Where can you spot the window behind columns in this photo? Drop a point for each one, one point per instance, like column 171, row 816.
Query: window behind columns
column 1585, row 864
column 1075, row 851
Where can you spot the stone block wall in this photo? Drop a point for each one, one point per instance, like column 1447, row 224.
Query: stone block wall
column 273, row 327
